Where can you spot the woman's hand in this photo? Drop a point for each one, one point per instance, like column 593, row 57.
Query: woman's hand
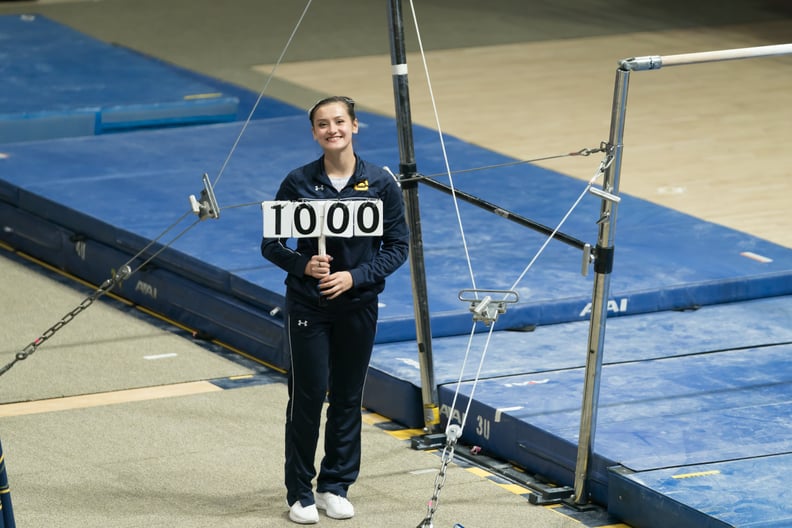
column 335, row 284
column 319, row 266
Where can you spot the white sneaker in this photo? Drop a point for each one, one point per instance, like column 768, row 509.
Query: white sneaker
column 335, row 507
column 303, row 514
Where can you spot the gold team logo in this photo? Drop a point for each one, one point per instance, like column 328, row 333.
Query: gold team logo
column 361, row 186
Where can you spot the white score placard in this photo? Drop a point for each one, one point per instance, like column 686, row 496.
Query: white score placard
column 329, row 218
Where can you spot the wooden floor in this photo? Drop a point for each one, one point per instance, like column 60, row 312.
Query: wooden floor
column 710, row 140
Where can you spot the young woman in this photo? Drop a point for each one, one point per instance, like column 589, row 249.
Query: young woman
column 331, row 306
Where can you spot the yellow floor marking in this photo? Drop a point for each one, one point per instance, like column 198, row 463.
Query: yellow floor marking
column 106, row 398
column 405, row 434
column 515, row 488
column 372, row 418
column 480, row 472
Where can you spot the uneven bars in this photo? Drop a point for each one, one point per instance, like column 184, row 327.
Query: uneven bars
column 591, row 387
column 655, row 62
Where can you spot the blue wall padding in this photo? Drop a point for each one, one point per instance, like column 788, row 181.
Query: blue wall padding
column 214, row 314
column 58, row 82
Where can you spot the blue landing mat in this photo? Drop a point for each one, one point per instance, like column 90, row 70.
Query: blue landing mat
column 117, row 192
column 659, row 413
column 749, row 493
column 395, row 384
column 58, row 82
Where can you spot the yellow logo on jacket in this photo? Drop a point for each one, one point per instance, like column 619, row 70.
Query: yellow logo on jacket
column 361, row 186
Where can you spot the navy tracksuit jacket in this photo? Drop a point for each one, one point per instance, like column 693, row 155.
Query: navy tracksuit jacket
column 331, row 340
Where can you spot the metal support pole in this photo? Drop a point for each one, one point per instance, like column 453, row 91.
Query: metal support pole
column 7, row 513
column 604, row 252
column 603, row 265
column 408, row 172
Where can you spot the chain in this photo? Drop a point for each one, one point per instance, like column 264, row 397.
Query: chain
column 123, row 273
column 106, row 286
column 588, row 152
column 452, row 435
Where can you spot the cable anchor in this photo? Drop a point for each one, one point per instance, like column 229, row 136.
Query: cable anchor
column 589, row 151
column 207, row 206
column 486, row 309
column 453, row 433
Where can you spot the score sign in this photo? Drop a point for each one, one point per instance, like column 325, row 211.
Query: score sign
column 334, row 218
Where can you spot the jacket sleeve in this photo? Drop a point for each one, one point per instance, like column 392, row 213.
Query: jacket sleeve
column 275, row 249
column 394, row 244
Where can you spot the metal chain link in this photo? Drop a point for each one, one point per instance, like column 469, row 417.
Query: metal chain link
column 452, row 435
column 106, row 286
column 123, row 273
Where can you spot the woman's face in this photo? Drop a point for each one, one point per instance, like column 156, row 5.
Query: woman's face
column 333, row 128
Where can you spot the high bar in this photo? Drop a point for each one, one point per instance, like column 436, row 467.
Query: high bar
column 655, row 62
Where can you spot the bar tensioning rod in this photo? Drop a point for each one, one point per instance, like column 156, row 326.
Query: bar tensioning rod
column 655, row 62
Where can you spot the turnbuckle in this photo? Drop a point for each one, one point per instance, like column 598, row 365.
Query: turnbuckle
column 486, row 309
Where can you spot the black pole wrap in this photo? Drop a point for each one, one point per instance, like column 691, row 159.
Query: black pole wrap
column 408, row 168
column 604, row 261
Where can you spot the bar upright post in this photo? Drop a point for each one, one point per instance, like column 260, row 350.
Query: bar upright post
column 603, row 265
column 408, row 172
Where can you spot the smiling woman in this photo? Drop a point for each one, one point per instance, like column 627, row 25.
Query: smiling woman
column 332, row 290
column 513, row 78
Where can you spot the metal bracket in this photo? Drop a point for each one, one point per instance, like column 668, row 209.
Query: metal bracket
column 486, row 309
column 605, row 195
column 543, row 495
column 428, row 441
column 207, row 207
column 587, row 260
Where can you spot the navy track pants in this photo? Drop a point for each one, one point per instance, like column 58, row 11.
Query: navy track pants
column 330, row 353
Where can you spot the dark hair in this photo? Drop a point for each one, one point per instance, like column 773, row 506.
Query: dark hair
column 350, row 105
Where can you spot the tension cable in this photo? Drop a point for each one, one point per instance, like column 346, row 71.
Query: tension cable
column 453, row 431
column 442, row 145
column 484, row 310
column 261, row 94
column 205, row 207
column 582, row 152
column 604, row 164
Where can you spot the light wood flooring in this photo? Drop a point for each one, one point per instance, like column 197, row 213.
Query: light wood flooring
column 711, row 140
